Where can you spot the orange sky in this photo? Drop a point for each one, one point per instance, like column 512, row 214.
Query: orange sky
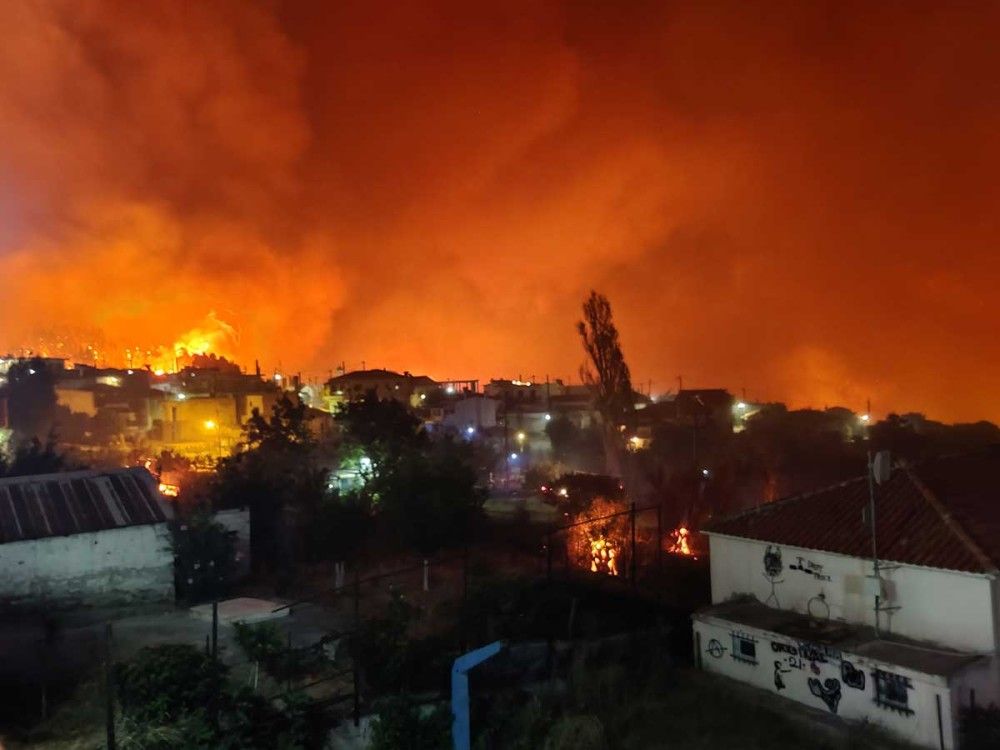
column 796, row 198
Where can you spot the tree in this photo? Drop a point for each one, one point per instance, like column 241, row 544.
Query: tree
column 204, row 555
column 609, row 380
column 272, row 469
column 431, row 496
column 31, row 398
column 381, row 430
column 34, row 457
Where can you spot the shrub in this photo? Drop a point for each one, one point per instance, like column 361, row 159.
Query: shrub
column 401, row 724
column 577, row 733
column 164, row 682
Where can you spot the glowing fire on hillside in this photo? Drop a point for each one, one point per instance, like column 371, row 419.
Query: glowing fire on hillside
column 211, row 336
column 679, row 542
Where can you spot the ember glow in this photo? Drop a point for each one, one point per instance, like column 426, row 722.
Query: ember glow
column 797, row 200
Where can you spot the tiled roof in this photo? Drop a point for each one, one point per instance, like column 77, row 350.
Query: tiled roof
column 941, row 514
column 74, row 502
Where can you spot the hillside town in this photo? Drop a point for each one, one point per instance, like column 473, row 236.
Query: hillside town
column 543, row 375
column 826, row 556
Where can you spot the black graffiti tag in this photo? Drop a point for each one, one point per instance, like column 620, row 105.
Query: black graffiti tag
column 828, row 691
column 784, row 648
column 715, row 648
column 817, row 653
column 778, row 671
column 852, row 677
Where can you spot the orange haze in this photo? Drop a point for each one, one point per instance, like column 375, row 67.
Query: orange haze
column 796, row 198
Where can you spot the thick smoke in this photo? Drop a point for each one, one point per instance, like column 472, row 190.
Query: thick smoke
column 798, row 199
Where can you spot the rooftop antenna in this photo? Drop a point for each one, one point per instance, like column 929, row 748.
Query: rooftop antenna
column 879, row 473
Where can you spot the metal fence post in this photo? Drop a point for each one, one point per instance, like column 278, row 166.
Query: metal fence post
column 548, row 562
column 632, row 561
column 659, row 538
column 356, row 649
column 215, row 630
column 109, row 688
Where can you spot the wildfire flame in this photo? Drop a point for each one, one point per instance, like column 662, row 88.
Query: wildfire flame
column 680, row 542
column 603, row 557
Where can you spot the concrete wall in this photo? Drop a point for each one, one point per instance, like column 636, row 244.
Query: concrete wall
column 104, row 567
column 826, row 679
column 948, row 608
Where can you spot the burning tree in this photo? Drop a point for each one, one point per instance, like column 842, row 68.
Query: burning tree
column 600, row 542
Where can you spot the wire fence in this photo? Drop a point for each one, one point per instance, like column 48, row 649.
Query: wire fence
column 621, row 545
column 617, row 549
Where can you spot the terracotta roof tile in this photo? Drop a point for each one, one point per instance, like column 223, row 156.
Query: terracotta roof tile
column 941, row 514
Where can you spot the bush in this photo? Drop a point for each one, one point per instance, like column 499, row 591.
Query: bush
column 162, row 683
column 401, row 724
column 577, row 733
column 174, row 697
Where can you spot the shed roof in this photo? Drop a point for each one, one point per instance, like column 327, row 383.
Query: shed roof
column 943, row 513
column 927, row 658
column 75, row 502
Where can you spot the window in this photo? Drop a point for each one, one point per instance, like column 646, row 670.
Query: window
column 744, row 648
column 892, row 691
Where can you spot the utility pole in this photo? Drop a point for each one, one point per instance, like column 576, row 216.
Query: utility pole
column 877, row 581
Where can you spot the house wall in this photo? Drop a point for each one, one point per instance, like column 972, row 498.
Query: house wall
column 133, row 563
column 828, row 680
column 948, row 608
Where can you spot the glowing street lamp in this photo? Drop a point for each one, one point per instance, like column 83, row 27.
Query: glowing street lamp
column 210, row 424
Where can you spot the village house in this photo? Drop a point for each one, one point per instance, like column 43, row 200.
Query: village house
column 799, row 610
column 84, row 537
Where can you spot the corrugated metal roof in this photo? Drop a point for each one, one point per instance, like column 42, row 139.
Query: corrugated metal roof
column 73, row 502
column 942, row 514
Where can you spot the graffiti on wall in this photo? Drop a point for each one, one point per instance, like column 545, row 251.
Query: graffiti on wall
column 819, row 653
column 828, row 691
column 715, row 648
column 779, row 670
column 809, row 568
column 851, row 676
column 772, row 572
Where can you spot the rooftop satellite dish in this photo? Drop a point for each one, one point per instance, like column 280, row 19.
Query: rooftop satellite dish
column 882, row 467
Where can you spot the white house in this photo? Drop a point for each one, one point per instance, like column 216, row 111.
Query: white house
column 84, row 537
column 797, row 610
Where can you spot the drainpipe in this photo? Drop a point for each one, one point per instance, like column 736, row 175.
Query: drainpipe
column 461, row 731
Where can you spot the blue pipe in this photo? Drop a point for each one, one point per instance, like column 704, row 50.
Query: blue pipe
column 461, row 731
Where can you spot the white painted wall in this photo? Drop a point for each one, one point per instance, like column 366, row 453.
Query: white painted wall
column 952, row 609
column 920, row 727
column 112, row 566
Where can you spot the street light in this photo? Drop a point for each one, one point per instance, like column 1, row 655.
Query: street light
column 210, row 424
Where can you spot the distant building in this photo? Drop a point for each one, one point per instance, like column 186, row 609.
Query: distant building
column 386, row 384
column 84, row 537
column 794, row 598
column 704, row 407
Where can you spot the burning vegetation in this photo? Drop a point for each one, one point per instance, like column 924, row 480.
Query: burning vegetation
column 599, row 542
column 679, row 543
